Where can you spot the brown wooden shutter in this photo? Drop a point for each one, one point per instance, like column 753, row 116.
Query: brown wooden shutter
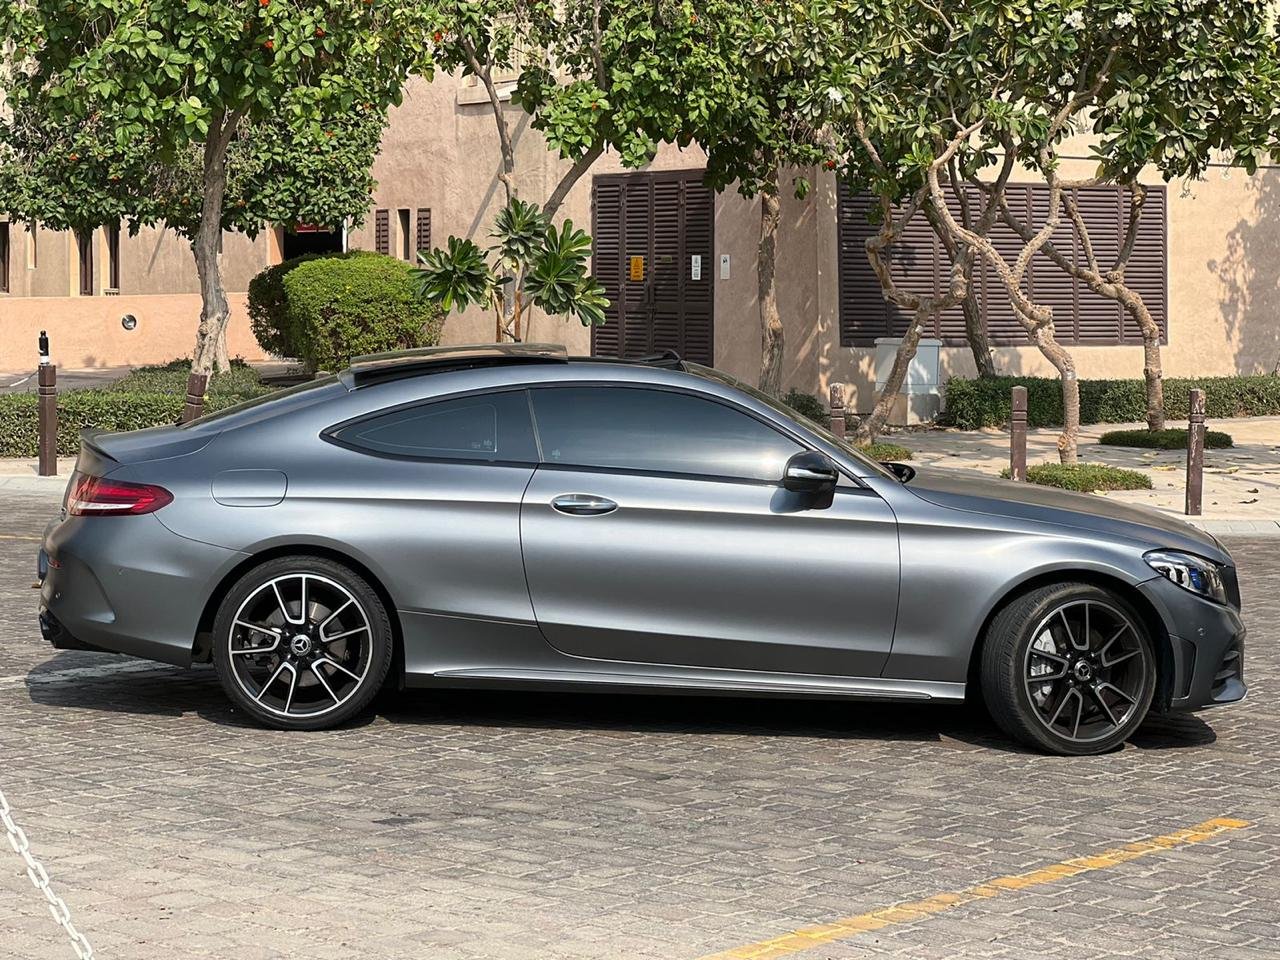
column 607, row 263
column 5, row 245
column 84, row 244
column 423, row 230
column 1081, row 317
column 113, row 255
column 382, row 232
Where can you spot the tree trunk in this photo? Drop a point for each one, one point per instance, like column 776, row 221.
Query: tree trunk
column 1057, row 354
column 771, row 334
column 874, row 422
column 975, row 332
column 1152, row 368
column 214, row 310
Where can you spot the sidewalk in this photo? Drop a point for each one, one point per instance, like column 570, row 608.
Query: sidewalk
column 1241, row 484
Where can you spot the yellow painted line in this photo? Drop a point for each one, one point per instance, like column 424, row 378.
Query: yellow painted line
column 15, row 536
column 807, row 938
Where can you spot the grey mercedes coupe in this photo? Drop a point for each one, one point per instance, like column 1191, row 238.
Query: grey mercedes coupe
column 497, row 516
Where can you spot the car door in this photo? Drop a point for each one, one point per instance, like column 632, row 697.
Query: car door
column 655, row 529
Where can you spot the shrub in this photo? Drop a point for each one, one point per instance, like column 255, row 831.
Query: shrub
column 807, row 405
column 1163, row 439
column 268, row 309
column 1085, row 477
column 985, row 402
column 341, row 307
column 241, row 381
column 885, row 452
column 108, row 409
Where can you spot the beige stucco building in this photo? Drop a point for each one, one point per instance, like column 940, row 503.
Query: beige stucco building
column 1210, row 261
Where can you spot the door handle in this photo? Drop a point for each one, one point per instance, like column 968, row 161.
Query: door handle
column 583, row 505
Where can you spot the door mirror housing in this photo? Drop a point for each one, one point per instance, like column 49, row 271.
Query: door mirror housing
column 810, row 472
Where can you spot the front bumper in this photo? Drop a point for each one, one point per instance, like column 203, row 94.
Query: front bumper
column 126, row 585
column 1206, row 643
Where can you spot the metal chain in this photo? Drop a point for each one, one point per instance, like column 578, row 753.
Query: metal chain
column 40, row 880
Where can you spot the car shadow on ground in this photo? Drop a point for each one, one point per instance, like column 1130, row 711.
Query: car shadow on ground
column 171, row 691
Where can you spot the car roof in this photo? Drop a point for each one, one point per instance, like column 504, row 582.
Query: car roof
column 380, row 367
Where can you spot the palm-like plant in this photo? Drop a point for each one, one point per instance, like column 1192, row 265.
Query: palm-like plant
column 548, row 268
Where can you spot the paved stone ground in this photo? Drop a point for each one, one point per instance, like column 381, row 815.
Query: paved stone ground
column 1241, row 483
column 501, row 826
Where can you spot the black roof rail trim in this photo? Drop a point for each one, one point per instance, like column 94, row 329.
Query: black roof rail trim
column 378, row 367
column 667, row 359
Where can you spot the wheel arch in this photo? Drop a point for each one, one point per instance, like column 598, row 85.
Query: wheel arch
column 202, row 642
column 1126, row 590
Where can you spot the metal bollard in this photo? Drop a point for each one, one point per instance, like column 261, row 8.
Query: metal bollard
column 196, row 384
column 1018, row 434
column 837, row 410
column 1195, row 455
column 47, row 391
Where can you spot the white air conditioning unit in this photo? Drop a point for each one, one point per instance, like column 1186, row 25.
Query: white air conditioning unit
column 920, row 398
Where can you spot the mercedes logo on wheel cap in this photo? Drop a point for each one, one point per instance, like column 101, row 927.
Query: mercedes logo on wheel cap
column 300, row 645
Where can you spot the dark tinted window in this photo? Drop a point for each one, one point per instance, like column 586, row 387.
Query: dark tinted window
column 491, row 426
column 656, row 430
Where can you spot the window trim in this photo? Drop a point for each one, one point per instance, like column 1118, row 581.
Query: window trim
column 856, row 484
column 6, row 254
column 330, row 433
column 667, row 474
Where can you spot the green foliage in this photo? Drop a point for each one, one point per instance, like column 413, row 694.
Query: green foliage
column 109, row 409
column 345, row 306
column 241, row 381
column 1085, row 477
column 885, row 452
column 1163, row 439
column 269, row 309
column 547, row 266
column 807, row 405
column 972, row 404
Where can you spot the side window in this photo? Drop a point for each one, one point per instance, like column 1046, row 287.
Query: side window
column 492, row 426
column 656, row 430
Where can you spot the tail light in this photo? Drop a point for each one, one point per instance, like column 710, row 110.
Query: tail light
column 100, row 497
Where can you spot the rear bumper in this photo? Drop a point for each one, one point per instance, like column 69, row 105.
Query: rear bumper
column 1207, row 646
column 126, row 585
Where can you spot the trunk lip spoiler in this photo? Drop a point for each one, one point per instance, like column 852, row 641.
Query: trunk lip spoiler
column 89, row 436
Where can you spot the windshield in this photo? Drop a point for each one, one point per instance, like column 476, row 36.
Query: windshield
column 791, row 414
column 272, row 397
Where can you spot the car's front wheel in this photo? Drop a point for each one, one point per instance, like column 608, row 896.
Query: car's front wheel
column 1068, row 668
column 301, row 643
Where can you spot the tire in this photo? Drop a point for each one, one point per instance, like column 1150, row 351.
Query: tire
column 1068, row 669
column 302, row 669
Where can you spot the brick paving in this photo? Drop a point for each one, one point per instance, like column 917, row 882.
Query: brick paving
column 480, row 825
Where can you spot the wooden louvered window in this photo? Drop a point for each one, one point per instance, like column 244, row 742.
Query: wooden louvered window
column 1081, row 316
column 423, row 230
column 5, row 244
column 382, row 231
column 84, row 245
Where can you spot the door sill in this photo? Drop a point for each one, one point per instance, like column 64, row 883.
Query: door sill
column 862, row 688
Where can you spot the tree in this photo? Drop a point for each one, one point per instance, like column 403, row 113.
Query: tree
column 546, row 267
column 1205, row 93
column 592, row 75
column 179, row 78
column 962, row 92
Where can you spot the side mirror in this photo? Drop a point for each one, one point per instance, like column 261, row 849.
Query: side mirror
column 810, row 472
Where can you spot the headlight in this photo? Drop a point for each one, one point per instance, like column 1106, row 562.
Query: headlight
column 1189, row 572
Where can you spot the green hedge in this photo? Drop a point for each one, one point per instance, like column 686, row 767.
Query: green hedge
column 985, row 402
column 1085, row 477
column 78, row 409
column 241, row 381
column 341, row 307
column 1163, row 439
column 886, row 452
column 807, row 405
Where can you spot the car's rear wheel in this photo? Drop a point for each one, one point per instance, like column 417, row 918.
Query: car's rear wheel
column 1069, row 669
column 301, row 643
